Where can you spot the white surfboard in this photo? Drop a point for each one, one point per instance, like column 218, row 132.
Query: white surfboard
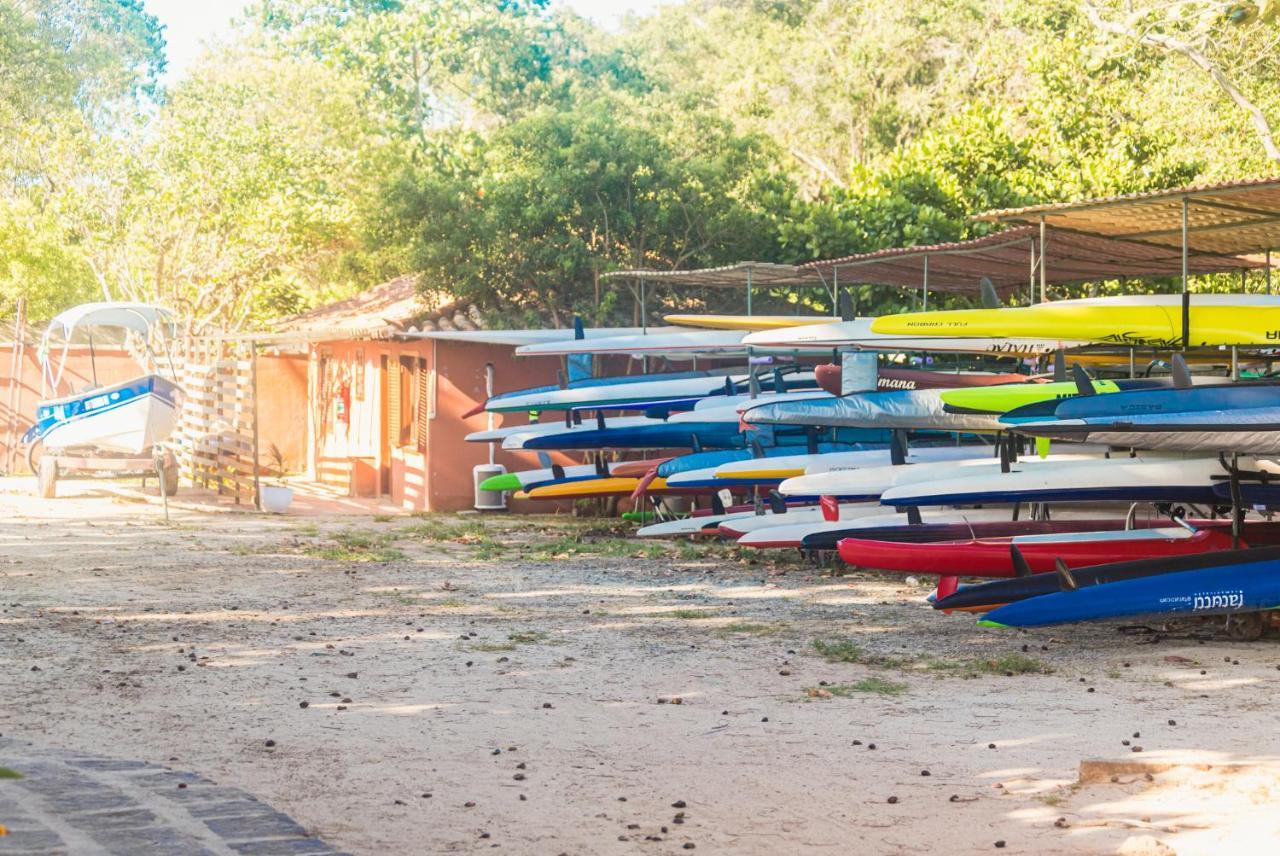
column 858, row 335
column 874, row 481
column 793, row 535
column 1079, row 481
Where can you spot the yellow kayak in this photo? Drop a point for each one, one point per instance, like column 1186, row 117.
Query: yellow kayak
column 1142, row 321
column 746, row 322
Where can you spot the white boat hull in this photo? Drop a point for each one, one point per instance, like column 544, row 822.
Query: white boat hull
column 113, row 422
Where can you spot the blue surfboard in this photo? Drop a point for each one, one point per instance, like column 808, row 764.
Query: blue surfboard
column 1237, row 581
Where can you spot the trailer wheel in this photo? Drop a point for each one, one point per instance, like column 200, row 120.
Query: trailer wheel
column 47, row 477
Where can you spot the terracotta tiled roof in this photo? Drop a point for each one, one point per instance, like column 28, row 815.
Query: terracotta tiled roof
column 395, row 306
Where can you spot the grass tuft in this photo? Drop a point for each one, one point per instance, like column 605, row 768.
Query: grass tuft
column 749, row 628
column 1008, row 665
column 6, row 773
column 354, row 545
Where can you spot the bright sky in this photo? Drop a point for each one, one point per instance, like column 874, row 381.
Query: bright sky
column 189, row 23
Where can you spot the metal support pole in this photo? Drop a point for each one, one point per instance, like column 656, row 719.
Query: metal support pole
column 1031, row 276
column 835, row 292
column 1133, row 364
column 1268, row 271
column 926, row 282
column 1235, row 362
column 253, row 394
column 748, row 291
column 1186, row 293
column 644, row 308
column 1043, row 289
column 1243, row 281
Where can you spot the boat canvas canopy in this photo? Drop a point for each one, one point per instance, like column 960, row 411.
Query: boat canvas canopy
column 136, row 317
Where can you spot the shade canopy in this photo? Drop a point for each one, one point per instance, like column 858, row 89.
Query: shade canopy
column 138, row 317
column 740, row 275
column 1224, row 219
column 1008, row 259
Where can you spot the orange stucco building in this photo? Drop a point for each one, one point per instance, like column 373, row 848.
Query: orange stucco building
column 386, row 412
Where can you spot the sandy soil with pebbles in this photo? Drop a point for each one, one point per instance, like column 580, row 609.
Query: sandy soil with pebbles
column 528, row 685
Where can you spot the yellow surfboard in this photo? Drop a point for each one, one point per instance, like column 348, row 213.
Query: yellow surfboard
column 1143, row 322
column 746, row 322
column 589, row 488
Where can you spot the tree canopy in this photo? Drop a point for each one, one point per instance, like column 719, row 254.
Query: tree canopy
column 509, row 152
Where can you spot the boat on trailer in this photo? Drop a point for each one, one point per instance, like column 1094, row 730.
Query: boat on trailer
column 126, row 418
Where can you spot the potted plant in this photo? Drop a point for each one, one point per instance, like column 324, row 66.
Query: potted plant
column 277, row 496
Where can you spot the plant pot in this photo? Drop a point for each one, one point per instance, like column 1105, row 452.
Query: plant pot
column 276, row 498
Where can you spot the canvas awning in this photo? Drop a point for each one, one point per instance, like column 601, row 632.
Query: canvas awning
column 739, row 275
column 1224, row 219
column 1010, row 259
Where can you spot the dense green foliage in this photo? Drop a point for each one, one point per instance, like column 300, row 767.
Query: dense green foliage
column 511, row 153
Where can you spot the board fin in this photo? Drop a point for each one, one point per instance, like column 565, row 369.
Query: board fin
column 1059, row 367
column 1066, row 580
column 599, row 420
column 1084, row 383
column 777, row 504
column 1181, row 372
column 1020, row 566
column 717, row 504
column 947, row 586
column 779, row 385
column 987, row 292
column 579, row 332
column 1042, row 446
column 913, row 515
column 830, row 508
column 557, row 472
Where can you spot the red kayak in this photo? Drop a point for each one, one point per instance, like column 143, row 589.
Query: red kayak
column 992, row 557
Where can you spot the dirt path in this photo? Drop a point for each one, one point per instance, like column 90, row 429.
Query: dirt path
column 521, row 686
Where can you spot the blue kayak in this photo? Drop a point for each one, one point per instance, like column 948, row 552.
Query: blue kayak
column 686, row 435
column 1229, row 582
column 1146, row 402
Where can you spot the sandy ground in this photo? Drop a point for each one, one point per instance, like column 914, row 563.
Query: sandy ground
column 515, row 689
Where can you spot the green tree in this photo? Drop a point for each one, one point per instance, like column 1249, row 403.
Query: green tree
column 527, row 223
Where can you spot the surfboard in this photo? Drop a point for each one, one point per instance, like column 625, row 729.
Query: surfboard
column 987, row 596
column 873, row 482
column 611, row 395
column 525, row 479
column 744, row 322
column 1141, row 321
column 602, row 487
column 929, row 533
column 1241, row 417
column 858, row 335
column 794, row 535
column 1219, row 584
column 1188, row 480
column 914, row 409
column 993, row 558
column 784, row 467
